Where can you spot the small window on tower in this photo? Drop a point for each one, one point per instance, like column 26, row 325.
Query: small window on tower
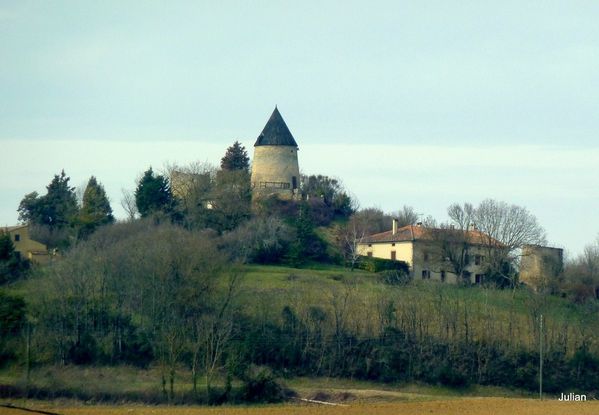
column 17, row 237
column 294, row 182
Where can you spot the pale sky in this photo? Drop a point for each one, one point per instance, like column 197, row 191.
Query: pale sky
column 422, row 103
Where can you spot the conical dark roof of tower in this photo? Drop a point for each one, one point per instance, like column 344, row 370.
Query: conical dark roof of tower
column 275, row 132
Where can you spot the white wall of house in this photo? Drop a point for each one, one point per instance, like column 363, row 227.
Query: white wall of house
column 426, row 259
column 403, row 250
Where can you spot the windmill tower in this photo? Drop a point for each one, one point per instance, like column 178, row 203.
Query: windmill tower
column 275, row 169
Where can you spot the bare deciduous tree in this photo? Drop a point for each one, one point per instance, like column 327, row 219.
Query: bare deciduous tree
column 349, row 236
column 405, row 216
column 504, row 229
column 582, row 274
column 128, row 204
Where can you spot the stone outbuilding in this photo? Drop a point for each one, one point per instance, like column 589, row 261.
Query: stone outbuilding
column 541, row 266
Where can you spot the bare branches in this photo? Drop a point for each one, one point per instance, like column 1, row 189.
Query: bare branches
column 502, row 229
column 512, row 225
column 128, row 204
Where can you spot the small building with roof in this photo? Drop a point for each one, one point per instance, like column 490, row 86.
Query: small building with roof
column 26, row 247
column 275, row 167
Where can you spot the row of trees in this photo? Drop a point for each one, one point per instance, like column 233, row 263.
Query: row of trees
column 57, row 218
column 197, row 196
column 137, row 293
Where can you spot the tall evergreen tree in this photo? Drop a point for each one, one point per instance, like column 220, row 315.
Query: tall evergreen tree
column 11, row 264
column 56, row 209
column 236, row 158
column 153, row 194
column 52, row 215
column 7, row 248
column 95, row 208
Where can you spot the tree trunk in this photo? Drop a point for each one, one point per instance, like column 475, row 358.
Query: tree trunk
column 172, row 383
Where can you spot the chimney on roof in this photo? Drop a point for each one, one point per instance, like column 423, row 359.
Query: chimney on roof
column 394, row 228
column 419, row 224
column 472, row 227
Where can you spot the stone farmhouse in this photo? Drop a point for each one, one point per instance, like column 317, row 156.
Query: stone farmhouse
column 431, row 253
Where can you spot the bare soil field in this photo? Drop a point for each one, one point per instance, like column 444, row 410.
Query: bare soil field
column 462, row 406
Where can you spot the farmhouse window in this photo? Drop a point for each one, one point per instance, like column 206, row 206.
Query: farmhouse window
column 17, row 237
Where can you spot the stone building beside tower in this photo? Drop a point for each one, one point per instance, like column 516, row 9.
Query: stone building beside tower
column 541, row 266
column 275, row 169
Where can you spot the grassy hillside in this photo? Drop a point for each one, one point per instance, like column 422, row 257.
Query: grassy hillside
column 318, row 321
column 445, row 310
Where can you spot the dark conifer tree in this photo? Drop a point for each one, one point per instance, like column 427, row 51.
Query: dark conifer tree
column 236, row 158
column 7, row 248
column 11, row 264
column 153, row 194
column 95, row 208
column 52, row 215
column 56, row 209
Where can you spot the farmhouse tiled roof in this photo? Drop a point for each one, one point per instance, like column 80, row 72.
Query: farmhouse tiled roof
column 13, row 228
column 275, row 132
column 422, row 233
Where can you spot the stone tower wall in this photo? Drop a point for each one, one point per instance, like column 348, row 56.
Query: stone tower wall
column 540, row 265
column 274, row 169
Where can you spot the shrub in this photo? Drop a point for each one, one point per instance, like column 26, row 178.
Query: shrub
column 395, row 277
column 260, row 385
column 263, row 240
column 373, row 264
column 453, row 376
